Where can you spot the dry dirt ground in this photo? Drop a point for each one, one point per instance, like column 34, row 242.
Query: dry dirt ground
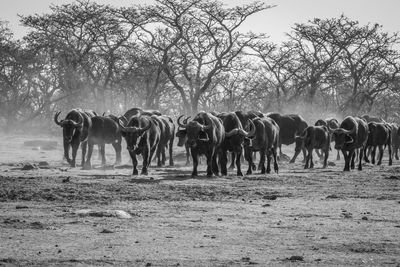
column 319, row 217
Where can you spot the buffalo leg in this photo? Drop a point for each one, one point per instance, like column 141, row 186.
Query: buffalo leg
column 373, row 154
column 238, row 163
column 88, row 164
column 352, row 159
column 380, row 156
column 326, row 155
column 233, row 157
column 249, row 158
column 347, row 157
column 209, row 158
column 66, row 152
column 310, row 155
column 170, row 148
column 261, row 164
column 163, row 156
column 146, row 154
column 84, row 148
column 338, row 155
column 274, row 154
column 390, row 152
column 319, row 153
column 103, row 154
column 269, row 158
column 360, row 159
column 158, row 155
column 117, row 147
column 74, row 146
column 195, row 159
column 188, row 152
column 214, row 164
column 223, row 160
column 365, row 156
column 134, row 162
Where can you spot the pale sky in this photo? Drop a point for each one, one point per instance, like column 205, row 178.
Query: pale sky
column 275, row 22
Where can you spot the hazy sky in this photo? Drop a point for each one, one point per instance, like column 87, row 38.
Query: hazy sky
column 275, row 22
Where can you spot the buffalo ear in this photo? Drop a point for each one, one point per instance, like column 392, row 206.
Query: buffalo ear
column 181, row 133
column 349, row 139
column 203, row 135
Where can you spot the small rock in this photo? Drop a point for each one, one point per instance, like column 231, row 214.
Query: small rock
column 266, row 205
column 270, row 197
column 324, row 237
column 365, row 218
column 296, row 258
column 66, row 180
column 148, row 264
column 28, row 167
column 43, row 164
column 106, row 231
column 263, row 212
column 59, row 251
column 219, row 219
column 332, row 196
column 19, row 207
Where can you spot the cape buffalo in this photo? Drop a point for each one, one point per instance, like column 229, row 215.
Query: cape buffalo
column 142, row 136
column 314, row 137
column 182, row 140
column 352, row 134
column 290, row 125
column 205, row 134
column 105, row 130
column 395, row 140
column 333, row 124
column 76, row 127
column 380, row 135
column 233, row 142
column 266, row 141
column 167, row 136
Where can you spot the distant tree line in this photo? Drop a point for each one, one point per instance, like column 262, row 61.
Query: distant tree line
column 184, row 56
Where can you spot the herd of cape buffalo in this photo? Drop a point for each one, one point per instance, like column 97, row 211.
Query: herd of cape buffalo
column 149, row 133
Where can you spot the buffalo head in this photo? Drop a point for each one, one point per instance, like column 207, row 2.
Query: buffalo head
column 134, row 133
column 343, row 137
column 69, row 126
column 194, row 132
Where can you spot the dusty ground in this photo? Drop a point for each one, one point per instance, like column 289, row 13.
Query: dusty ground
column 322, row 217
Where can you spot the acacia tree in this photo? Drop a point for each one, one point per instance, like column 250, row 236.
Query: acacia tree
column 368, row 62
column 196, row 40
column 15, row 68
column 88, row 41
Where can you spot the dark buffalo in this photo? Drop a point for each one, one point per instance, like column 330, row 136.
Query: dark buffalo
column 395, row 139
column 137, row 112
column 105, row 130
column 352, row 134
column 182, row 141
column 369, row 118
column 233, row 142
column 266, row 141
column 205, row 134
column 167, row 136
column 314, row 137
column 380, row 135
column 290, row 125
column 142, row 136
column 76, row 127
column 332, row 124
column 245, row 118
